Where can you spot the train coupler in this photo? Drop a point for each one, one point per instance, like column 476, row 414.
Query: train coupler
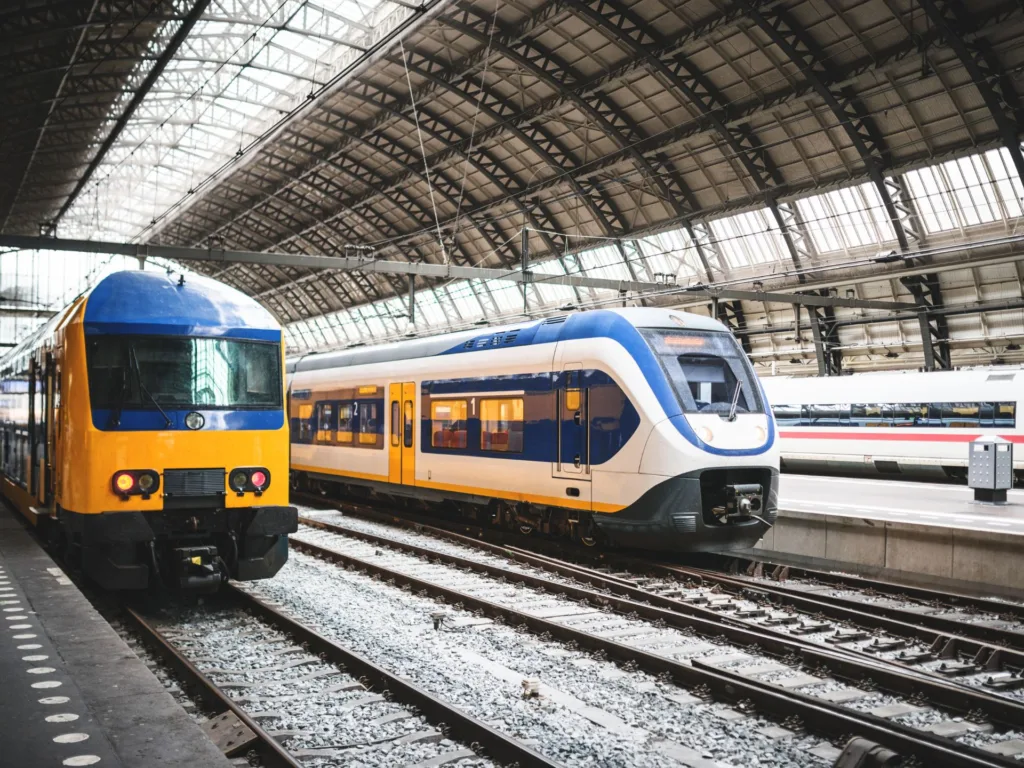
column 742, row 501
column 198, row 568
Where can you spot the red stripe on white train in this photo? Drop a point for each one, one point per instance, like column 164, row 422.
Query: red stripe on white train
column 916, row 437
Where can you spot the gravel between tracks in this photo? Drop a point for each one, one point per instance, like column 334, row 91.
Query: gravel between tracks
column 480, row 667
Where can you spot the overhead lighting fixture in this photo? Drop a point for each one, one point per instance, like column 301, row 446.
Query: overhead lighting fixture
column 481, row 321
column 1013, row 347
column 796, row 361
column 892, row 355
column 569, row 307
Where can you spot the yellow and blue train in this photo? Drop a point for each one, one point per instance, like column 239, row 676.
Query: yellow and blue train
column 144, row 428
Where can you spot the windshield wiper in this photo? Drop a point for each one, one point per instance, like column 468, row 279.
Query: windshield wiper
column 735, row 400
column 133, row 360
column 115, row 415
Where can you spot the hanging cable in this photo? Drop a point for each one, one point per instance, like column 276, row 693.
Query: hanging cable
column 476, row 115
column 423, row 152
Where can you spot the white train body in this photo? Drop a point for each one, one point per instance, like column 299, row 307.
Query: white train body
column 896, row 423
column 570, row 422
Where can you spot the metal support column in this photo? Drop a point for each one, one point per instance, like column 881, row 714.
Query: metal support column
column 826, row 348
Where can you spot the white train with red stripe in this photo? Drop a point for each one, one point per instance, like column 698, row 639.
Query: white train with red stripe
column 895, row 423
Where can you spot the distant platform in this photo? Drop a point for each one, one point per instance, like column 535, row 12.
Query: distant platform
column 920, row 533
column 73, row 693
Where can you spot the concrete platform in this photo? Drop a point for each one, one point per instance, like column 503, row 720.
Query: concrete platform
column 927, row 534
column 73, row 693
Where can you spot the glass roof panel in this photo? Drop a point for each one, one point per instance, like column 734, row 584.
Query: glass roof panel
column 243, row 67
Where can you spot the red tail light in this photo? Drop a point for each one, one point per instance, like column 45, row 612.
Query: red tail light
column 124, row 482
column 258, row 479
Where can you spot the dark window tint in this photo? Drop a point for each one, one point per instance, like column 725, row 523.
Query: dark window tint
column 707, row 370
column 408, row 423
column 179, row 372
column 968, row 415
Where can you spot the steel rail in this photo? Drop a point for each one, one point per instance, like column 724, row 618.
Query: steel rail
column 782, row 571
column 271, row 753
column 971, row 639
column 855, row 667
column 460, row 725
column 820, row 716
column 973, row 636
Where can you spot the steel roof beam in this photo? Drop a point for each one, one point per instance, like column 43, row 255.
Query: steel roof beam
column 141, row 92
column 366, row 266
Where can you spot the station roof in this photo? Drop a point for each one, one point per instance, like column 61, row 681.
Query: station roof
column 834, row 146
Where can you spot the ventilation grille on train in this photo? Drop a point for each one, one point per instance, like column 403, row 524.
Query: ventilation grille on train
column 555, row 320
column 685, row 523
column 194, row 482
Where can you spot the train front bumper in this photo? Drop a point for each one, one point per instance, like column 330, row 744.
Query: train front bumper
column 116, row 546
column 675, row 516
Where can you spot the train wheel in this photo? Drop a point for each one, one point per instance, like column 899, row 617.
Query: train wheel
column 526, row 529
column 587, row 533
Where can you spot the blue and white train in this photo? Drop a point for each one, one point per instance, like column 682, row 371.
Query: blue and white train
column 643, row 428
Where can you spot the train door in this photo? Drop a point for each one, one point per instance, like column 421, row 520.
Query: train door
column 409, row 433
column 573, row 427
column 395, row 438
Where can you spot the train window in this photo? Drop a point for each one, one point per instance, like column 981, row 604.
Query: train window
column 346, row 422
column 870, row 415
column 961, row 415
column 396, row 425
column 326, row 417
column 707, row 370
column 408, row 423
column 448, row 424
column 828, row 415
column 909, row 414
column 369, row 423
column 1004, row 415
column 501, row 424
column 787, row 415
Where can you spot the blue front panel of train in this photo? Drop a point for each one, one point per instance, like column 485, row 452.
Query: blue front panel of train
column 150, row 420
column 613, row 419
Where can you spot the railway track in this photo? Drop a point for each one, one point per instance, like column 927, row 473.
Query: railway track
column 757, row 668
column 980, row 649
column 299, row 698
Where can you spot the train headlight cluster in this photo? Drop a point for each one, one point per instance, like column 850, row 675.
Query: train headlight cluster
column 135, row 482
column 705, row 434
column 254, row 479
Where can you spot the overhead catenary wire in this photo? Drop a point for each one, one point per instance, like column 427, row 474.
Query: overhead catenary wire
column 423, row 152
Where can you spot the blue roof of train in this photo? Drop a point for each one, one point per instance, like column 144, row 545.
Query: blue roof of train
column 140, row 302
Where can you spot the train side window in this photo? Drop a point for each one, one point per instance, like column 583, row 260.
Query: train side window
column 869, row 415
column 501, row 425
column 1004, row 415
column 396, row 424
column 369, row 422
column 909, row 414
column 448, row 425
column 408, row 423
column 829, row 415
column 326, row 417
column 786, row 415
column 345, row 425
column 961, row 415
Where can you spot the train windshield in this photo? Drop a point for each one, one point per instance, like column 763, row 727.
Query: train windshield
column 179, row 372
column 708, row 370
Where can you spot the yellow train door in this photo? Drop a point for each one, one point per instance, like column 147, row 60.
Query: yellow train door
column 395, row 438
column 409, row 433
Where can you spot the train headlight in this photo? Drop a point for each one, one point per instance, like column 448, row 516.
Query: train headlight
column 124, row 482
column 135, row 482
column 762, row 433
column 238, row 480
column 705, row 434
column 194, row 420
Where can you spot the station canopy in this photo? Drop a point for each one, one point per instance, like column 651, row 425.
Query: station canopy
column 853, row 149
